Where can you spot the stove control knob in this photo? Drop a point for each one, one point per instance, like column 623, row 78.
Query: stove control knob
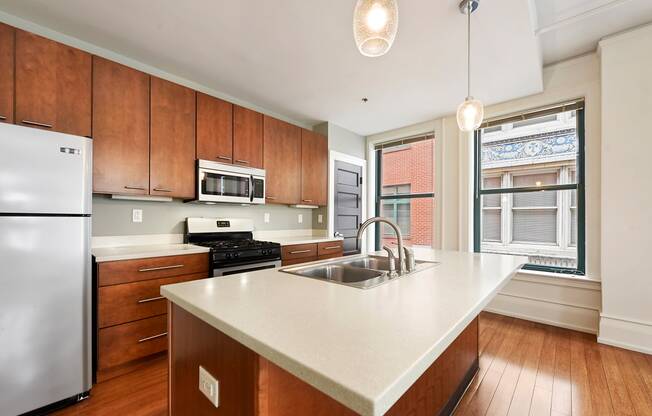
column 227, row 255
column 236, row 255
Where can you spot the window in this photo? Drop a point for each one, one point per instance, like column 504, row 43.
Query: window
column 404, row 192
column 529, row 197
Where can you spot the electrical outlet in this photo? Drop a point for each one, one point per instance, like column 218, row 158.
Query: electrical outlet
column 266, row 217
column 137, row 215
column 209, row 386
column 320, row 218
column 300, row 218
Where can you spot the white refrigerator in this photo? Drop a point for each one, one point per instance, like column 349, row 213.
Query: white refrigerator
column 45, row 268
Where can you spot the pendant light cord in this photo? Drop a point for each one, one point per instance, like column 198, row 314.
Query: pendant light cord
column 468, row 47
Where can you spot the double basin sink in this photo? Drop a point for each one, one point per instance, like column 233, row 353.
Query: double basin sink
column 362, row 272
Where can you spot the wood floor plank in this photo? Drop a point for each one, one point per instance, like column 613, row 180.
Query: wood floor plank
column 561, row 387
column 522, row 399
column 580, row 391
column 600, row 395
column 645, row 369
column 617, row 389
column 635, row 384
column 541, row 402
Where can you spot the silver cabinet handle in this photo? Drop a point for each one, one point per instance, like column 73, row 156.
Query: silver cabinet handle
column 300, row 251
column 153, row 269
column 162, row 190
column 136, row 188
column 244, row 162
column 224, row 157
column 36, row 123
column 307, row 200
column 3, row 117
column 270, row 197
column 332, row 247
column 151, row 299
column 152, row 337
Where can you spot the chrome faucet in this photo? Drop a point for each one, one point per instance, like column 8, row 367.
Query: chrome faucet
column 403, row 252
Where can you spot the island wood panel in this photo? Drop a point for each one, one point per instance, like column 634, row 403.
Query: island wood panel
column 7, row 53
column 127, row 271
column 282, row 161
column 172, row 140
column 120, row 129
column 247, row 137
column 314, row 168
column 53, row 85
column 214, row 129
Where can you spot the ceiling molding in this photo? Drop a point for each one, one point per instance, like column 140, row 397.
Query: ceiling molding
column 579, row 16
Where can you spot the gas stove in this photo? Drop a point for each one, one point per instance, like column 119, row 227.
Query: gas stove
column 233, row 248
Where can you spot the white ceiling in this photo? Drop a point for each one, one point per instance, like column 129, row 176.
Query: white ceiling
column 297, row 57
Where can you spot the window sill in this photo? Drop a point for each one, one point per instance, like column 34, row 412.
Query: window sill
column 561, row 276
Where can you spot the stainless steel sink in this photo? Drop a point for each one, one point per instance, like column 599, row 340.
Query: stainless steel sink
column 363, row 272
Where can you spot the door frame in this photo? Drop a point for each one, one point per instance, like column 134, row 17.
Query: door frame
column 343, row 157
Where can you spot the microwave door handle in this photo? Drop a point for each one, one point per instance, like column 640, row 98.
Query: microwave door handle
column 251, row 188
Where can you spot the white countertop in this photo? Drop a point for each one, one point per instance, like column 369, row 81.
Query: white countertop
column 103, row 254
column 303, row 239
column 364, row 348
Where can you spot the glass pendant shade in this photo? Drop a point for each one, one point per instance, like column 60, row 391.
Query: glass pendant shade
column 375, row 23
column 470, row 114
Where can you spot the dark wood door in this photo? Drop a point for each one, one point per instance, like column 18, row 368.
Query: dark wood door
column 7, row 35
column 282, row 161
column 314, row 168
column 214, row 129
column 247, row 137
column 172, row 148
column 120, row 129
column 53, row 85
column 348, row 203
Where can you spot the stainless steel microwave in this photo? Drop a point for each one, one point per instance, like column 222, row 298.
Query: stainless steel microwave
column 220, row 182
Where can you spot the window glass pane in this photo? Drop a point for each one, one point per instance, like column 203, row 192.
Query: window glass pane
column 535, row 226
column 573, row 226
column 414, row 217
column 493, row 182
column 537, row 179
column 535, row 199
column 408, row 169
column 491, row 225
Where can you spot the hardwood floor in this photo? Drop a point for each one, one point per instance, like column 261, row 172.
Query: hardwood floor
column 525, row 369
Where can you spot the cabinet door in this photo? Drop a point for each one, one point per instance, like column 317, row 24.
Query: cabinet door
column 172, row 158
column 214, row 129
column 247, row 137
column 120, row 129
column 7, row 34
column 314, row 168
column 282, row 161
column 53, row 85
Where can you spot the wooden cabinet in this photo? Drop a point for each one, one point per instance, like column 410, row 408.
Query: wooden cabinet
column 53, row 85
column 120, row 129
column 282, row 161
column 131, row 313
column 304, row 253
column 214, row 129
column 247, row 137
column 172, row 146
column 7, row 36
column 314, row 168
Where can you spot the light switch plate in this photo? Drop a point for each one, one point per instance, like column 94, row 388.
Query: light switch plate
column 209, row 386
column 137, row 215
column 300, row 218
column 266, row 217
column 320, row 218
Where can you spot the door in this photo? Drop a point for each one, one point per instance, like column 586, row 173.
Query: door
column 214, row 129
column 45, row 310
column 348, row 203
column 247, row 137
column 314, row 168
column 53, row 85
column 7, row 35
column 282, row 161
column 120, row 129
column 172, row 157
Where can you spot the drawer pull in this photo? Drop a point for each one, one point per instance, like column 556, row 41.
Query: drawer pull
column 270, row 197
column 151, row 299
column 135, row 188
column 224, row 157
column 244, row 162
column 3, row 117
column 36, row 123
column 162, row 190
column 300, row 251
column 307, row 200
column 152, row 337
column 153, row 269
column 332, row 248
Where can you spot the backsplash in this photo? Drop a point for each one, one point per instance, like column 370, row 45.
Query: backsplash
column 114, row 217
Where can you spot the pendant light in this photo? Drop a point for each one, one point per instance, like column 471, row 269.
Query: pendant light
column 375, row 23
column 471, row 112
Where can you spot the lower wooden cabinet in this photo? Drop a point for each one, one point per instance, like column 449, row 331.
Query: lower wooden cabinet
column 131, row 313
column 304, row 253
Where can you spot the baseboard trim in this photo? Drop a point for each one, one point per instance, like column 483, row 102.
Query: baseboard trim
column 623, row 333
column 550, row 322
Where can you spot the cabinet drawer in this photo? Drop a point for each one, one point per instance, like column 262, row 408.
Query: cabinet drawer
column 330, row 247
column 299, row 251
column 118, row 304
column 127, row 271
column 123, row 343
column 298, row 261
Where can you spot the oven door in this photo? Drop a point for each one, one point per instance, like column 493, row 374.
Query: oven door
column 224, row 186
column 226, row 271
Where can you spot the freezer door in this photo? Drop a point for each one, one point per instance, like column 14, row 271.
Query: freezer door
column 45, row 311
column 44, row 172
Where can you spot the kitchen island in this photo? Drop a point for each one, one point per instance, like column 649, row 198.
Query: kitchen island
column 281, row 344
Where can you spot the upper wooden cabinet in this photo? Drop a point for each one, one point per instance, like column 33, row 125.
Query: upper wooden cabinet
column 172, row 158
column 214, row 129
column 120, row 129
column 247, row 137
column 7, row 35
column 282, row 161
column 53, row 85
column 314, row 168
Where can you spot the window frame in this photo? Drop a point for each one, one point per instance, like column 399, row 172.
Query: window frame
column 507, row 192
